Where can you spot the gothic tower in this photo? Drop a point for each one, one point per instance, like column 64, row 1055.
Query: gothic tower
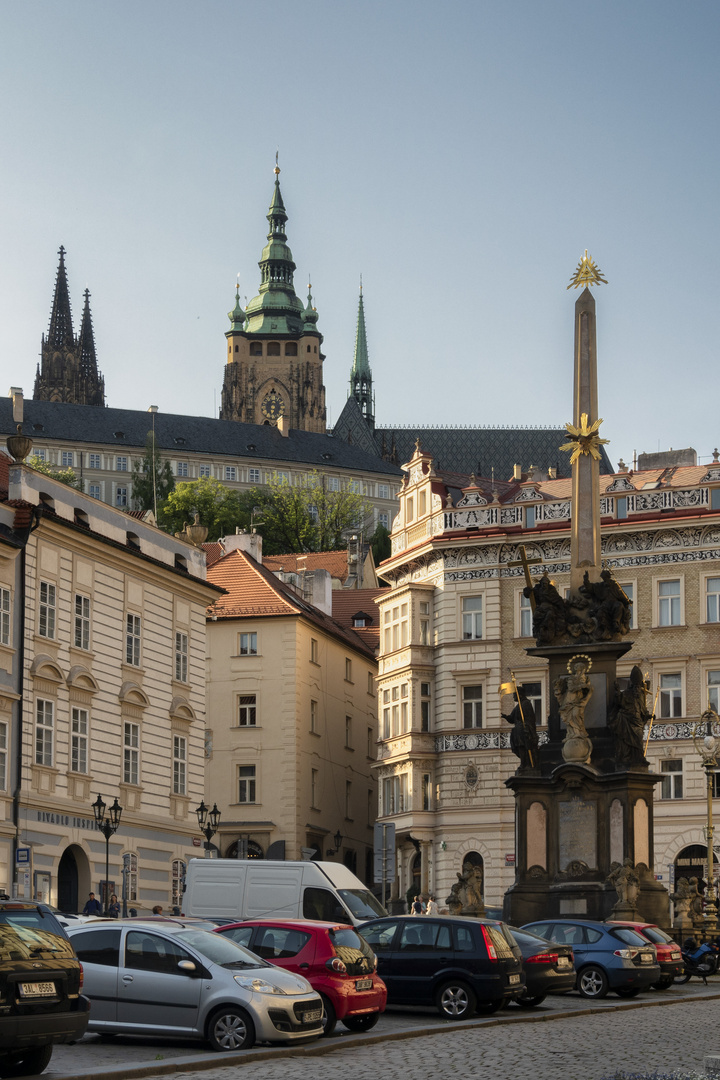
column 68, row 368
column 361, row 376
column 274, row 356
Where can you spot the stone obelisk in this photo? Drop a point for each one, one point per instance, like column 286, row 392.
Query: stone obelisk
column 585, row 533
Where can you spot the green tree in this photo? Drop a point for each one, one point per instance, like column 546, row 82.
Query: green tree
column 152, row 479
column 220, row 509
column 65, row 476
column 380, row 543
column 308, row 517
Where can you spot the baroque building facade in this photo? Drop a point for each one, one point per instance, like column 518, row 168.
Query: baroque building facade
column 456, row 623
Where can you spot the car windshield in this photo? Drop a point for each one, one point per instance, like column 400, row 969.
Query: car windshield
column 526, row 937
column 657, row 936
column 361, row 903
column 220, row 950
column 31, row 933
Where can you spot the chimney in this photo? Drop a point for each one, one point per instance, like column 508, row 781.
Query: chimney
column 250, row 542
column 517, row 472
column 317, row 589
column 17, row 399
column 283, row 426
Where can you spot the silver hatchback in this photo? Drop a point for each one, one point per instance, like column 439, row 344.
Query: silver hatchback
column 165, row 979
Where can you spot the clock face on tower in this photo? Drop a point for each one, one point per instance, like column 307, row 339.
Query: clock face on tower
column 272, row 406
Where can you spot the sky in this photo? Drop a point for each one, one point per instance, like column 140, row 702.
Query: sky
column 459, row 156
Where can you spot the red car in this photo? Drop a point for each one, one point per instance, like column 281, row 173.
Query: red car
column 668, row 952
column 334, row 958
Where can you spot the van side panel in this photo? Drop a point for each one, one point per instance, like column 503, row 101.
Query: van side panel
column 212, row 891
column 272, row 891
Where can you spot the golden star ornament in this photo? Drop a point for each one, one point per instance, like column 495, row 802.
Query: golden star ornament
column 587, row 273
column 584, row 439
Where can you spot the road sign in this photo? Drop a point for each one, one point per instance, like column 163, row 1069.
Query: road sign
column 384, row 845
column 22, row 856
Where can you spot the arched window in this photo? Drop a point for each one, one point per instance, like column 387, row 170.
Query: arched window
column 273, row 348
column 178, row 882
column 256, row 348
column 291, row 348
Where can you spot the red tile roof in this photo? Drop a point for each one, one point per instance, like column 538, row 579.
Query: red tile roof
column 335, row 562
column 213, row 552
column 349, row 602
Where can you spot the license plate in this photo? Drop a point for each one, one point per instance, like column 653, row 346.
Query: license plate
column 563, row 961
column 44, row 989
column 363, row 984
column 514, row 979
column 676, row 956
column 308, row 1017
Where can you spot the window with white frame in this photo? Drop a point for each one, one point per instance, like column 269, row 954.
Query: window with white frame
column 132, row 861
column 383, row 491
column 44, row 731
column 281, row 477
column 247, row 710
column 132, row 640
column 248, row 644
column 425, row 706
column 404, row 713
column 246, row 784
column 178, row 881
column 713, row 691
column 472, row 702
column 3, row 755
column 179, row 765
column 94, row 491
column 396, row 627
column 424, row 609
column 671, row 704
column 386, row 715
column 333, row 484
column 121, row 496
column 253, row 476
column 672, row 779
column 669, row 603
column 131, row 753
column 79, row 740
column 181, row 656
column 472, row 618
column 82, row 622
column 95, row 461
column 41, row 455
column 712, row 599
column 4, row 616
column 384, row 519
column 67, row 459
column 395, row 794
column 204, row 470
column 121, row 463
column 46, row 616
column 526, row 616
column 182, row 468
column 230, row 472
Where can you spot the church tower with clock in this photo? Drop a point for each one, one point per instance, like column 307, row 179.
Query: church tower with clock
column 274, row 348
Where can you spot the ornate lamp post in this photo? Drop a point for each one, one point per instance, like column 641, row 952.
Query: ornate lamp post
column 709, row 750
column 209, row 822
column 108, row 827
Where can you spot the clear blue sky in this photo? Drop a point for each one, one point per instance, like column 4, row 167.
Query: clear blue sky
column 461, row 156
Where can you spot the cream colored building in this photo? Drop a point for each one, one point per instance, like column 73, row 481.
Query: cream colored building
column 110, row 635
column 292, row 724
column 456, row 623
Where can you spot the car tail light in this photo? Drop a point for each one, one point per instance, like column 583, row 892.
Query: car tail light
column 336, row 964
column 627, row 954
column 82, row 976
column 374, row 963
column 543, row 958
column 488, row 943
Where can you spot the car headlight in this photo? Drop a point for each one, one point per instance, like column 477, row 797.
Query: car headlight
column 257, row 986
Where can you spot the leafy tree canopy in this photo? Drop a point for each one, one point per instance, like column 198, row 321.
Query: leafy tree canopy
column 65, row 476
column 308, row 517
column 380, row 543
column 220, row 510
column 152, row 478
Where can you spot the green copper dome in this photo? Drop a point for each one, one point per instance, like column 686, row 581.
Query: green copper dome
column 237, row 315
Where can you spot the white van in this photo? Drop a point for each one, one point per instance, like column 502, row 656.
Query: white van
column 237, row 889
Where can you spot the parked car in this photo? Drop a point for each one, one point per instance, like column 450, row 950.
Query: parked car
column 458, row 965
column 40, row 983
column 606, row 957
column 158, row 978
column 668, row 953
column 332, row 957
column 549, row 967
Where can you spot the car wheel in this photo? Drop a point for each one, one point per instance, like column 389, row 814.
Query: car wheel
column 592, row 982
column 663, row 984
column 361, row 1023
column 329, row 1019
column 32, row 1062
column 455, row 1000
column 230, row 1029
column 628, row 991
column 531, row 1002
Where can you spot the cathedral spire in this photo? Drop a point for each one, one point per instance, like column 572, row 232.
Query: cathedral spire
column 86, row 342
column 60, row 332
column 361, row 375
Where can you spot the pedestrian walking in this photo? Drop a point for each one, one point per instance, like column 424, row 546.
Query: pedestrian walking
column 416, row 908
column 113, row 907
column 432, row 906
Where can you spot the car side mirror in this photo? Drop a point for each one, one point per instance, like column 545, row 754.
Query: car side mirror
column 187, row 967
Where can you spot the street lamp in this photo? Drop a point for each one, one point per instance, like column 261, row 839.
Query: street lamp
column 337, row 840
column 709, row 751
column 209, row 821
column 108, row 827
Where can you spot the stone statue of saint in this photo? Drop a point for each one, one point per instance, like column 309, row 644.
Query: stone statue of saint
column 466, row 895
column 628, row 716
column 683, row 898
column 524, row 736
column 608, row 606
column 626, row 882
column 696, row 902
column 549, row 617
column 573, row 691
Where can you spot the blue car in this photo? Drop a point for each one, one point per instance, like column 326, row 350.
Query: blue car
column 607, row 957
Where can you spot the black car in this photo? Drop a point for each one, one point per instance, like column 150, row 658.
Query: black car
column 549, row 967
column 40, row 984
column 461, row 966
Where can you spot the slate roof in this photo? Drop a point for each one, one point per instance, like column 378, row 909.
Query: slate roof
column 176, row 434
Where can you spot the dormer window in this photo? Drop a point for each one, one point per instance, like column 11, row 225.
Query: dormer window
column 133, row 540
column 81, row 518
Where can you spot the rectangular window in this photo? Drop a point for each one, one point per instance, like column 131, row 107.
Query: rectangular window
column 395, row 795
column 525, row 616
column 248, row 644
column 82, row 621
column 4, row 616
column 131, row 753
column 95, row 461
column 348, row 670
column 67, row 459
column 410, row 508
column 712, row 599
column 230, row 472
column 178, row 880
column 422, row 503
column 672, row 781
column 426, row 791
column 121, row 463
column 314, row 787
column 671, row 696
column 713, row 689
column 46, row 622
column 370, row 741
column 3, row 755
column 628, row 587
column 41, row 455
column 313, row 651
column 333, row 484
column 348, row 732
column 253, row 476
column 529, row 517
column 714, row 498
column 425, row 702
column 314, row 717
column 44, row 723
column 181, row 657
column 397, row 629
column 121, row 496
column 472, row 706
column 132, row 640
column 247, row 710
column 386, row 723
column 348, row 800
column 179, row 765
column 79, row 741
column 94, row 491
column 383, row 491
column 669, row 603
column 246, row 783
column 621, row 507
column 182, row 468
column 404, row 716
column 384, row 519
column 371, row 683
column 472, row 618
column 533, row 692
column 204, row 470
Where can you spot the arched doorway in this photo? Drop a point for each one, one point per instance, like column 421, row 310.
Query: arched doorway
column 74, row 882
column 415, row 874
column 691, row 862
column 473, row 860
column 244, row 849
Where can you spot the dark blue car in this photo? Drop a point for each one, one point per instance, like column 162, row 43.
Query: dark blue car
column 607, row 957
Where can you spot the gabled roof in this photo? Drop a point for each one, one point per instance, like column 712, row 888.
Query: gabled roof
column 335, row 562
column 252, row 591
column 346, row 603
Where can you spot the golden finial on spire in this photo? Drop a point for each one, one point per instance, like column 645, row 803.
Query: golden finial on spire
column 361, row 284
column 586, row 273
column 276, row 170
column 584, row 439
